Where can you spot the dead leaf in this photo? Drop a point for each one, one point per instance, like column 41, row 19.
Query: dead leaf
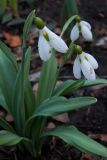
column 9, row 118
column 50, row 126
column 35, row 87
column 86, row 156
column 102, row 137
column 62, row 118
column 12, row 40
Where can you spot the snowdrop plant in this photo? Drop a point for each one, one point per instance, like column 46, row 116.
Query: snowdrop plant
column 29, row 109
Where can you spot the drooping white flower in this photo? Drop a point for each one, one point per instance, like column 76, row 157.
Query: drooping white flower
column 87, row 64
column 49, row 40
column 82, row 27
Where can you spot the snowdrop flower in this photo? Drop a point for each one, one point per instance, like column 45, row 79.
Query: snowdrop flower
column 86, row 63
column 82, row 27
column 49, row 40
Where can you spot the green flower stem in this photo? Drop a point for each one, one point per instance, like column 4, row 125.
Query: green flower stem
column 66, row 57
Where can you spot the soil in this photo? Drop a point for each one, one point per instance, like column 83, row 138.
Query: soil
column 91, row 120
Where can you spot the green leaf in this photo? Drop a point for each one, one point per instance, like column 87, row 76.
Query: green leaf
column 29, row 99
column 16, row 21
column 8, row 139
column 46, row 86
column 95, row 82
column 75, row 138
column 14, row 5
column 29, row 95
column 47, row 79
column 70, row 52
column 57, row 105
column 27, row 26
column 66, row 25
column 3, row 5
column 7, row 17
column 18, row 109
column 27, row 65
column 68, row 86
column 8, row 53
column 71, row 8
column 7, row 78
column 5, row 125
column 3, row 101
column 18, row 94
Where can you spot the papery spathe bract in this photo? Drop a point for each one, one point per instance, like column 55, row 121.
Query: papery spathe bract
column 49, row 40
column 86, row 63
column 82, row 27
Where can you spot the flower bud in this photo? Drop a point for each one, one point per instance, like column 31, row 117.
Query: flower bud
column 39, row 22
column 77, row 19
column 78, row 49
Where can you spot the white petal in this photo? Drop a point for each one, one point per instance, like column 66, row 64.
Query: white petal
column 56, row 42
column 92, row 60
column 44, row 48
column 86, row 33
column 74, row 33
column 86, row 24
column 77, row 68
column 87, row 70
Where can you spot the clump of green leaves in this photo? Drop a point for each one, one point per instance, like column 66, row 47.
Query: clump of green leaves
column 30, row 110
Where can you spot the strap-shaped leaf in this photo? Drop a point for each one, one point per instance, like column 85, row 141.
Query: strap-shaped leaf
column 95, row 82
column 18, row 94
column 47, row 79
column 8, row 53
column 16, row 21
column 7, row 78
column 29, row 96
column 8, row 138
column 5, row 125
column 29, row 99
column 68, row 86
column 46, row 86
column 3, row 101
column 66, row 25
column 14, row 5
column 58, row 105
column 70, row 8
column 79, row 140
column 3, row 5
column 27, row 26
